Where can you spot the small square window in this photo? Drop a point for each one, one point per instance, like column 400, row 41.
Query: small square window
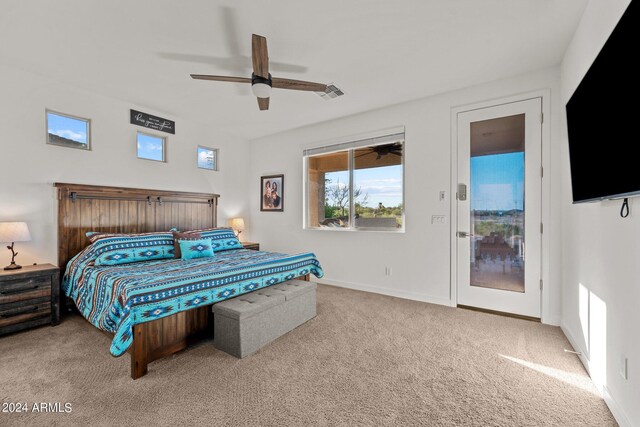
column 68, row 131
column 151, row 147
column 207, row 158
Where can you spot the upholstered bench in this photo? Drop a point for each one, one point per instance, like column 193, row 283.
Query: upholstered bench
column 244, row 324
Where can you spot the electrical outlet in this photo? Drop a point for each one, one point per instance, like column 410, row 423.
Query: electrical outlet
column 438, row 219
column 387, row 271
column 624, row 367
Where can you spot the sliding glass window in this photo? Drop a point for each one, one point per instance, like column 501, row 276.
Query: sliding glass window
column 356, row 185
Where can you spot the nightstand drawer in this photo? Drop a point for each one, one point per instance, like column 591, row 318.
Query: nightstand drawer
column 9, row 288
column 25, row 313
column 32, row 292
column 26, row 302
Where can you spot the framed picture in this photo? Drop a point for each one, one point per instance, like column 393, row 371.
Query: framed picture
column 151, row 147
column 68, row 131
column 272, row 193
column 207, row 158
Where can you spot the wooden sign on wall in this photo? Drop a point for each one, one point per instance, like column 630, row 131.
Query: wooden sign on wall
column 152, row 122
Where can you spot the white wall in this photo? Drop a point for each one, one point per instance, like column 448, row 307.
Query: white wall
column 29, row 166
column 601, row 250
column 420, row 258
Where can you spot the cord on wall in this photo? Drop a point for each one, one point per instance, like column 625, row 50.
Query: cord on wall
column 624, row 210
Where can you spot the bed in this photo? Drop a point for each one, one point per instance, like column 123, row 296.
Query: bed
column 158, row 307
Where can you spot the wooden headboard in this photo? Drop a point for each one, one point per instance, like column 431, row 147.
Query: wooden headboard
column 83, row 208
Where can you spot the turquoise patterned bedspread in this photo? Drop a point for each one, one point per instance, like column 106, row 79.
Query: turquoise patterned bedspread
column 114, row 298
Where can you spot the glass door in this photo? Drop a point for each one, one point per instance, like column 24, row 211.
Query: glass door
column 499, row 206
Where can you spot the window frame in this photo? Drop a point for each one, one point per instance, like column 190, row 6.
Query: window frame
column 351, row 163
column 215, row 158
column 164, row 146
column 87, row 121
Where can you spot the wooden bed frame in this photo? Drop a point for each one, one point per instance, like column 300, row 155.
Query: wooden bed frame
column 83, row 208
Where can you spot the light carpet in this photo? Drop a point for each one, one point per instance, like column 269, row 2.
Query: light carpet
column 366, row 359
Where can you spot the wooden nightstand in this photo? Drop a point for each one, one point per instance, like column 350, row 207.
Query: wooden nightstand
column 251, row 245
column 29, row 297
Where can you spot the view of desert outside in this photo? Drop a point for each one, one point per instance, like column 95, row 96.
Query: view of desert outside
column 497, row 204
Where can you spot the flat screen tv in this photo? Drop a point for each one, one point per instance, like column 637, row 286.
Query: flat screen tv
column 604, row 121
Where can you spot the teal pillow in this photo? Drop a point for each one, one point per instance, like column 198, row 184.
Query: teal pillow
column 191, row 249
column 112, row 249
column 128, row 256
column 97, row 235
column 222, row 239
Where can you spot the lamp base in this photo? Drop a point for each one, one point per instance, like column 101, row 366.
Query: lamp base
column 13, row 266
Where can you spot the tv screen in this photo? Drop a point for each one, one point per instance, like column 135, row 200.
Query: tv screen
column 603, row 121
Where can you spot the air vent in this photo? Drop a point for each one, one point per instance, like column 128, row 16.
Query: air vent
column 331, row 92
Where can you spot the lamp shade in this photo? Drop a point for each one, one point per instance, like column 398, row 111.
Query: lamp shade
column 237, row 224
column 14, row 232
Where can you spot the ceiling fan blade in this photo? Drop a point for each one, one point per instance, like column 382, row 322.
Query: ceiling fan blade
column 260, row 56
column 363, row 154
column 221, row 78
column 298, row 85
column 263, row 103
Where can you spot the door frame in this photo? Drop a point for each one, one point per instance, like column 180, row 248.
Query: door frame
column 545, row 95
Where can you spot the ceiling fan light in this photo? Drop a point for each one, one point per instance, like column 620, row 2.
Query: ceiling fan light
column 261, row 90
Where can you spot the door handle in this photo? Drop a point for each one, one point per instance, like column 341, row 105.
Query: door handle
column 462, row 192
column 465, row 234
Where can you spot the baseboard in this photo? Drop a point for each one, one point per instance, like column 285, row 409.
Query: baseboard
column 583, row 356
column 616, row 410
column 415, row 296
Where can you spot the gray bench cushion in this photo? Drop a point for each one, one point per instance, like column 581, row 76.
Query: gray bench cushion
column 289, row 289
column 247, row 305
column 244, row 324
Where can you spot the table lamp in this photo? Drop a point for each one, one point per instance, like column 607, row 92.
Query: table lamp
column 237, row 224
column 11, row 232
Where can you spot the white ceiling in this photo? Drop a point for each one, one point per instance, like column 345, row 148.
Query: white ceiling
column 378, row 52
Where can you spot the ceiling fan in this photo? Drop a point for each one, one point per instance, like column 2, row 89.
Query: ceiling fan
column 261, row 81
column 382, row 150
